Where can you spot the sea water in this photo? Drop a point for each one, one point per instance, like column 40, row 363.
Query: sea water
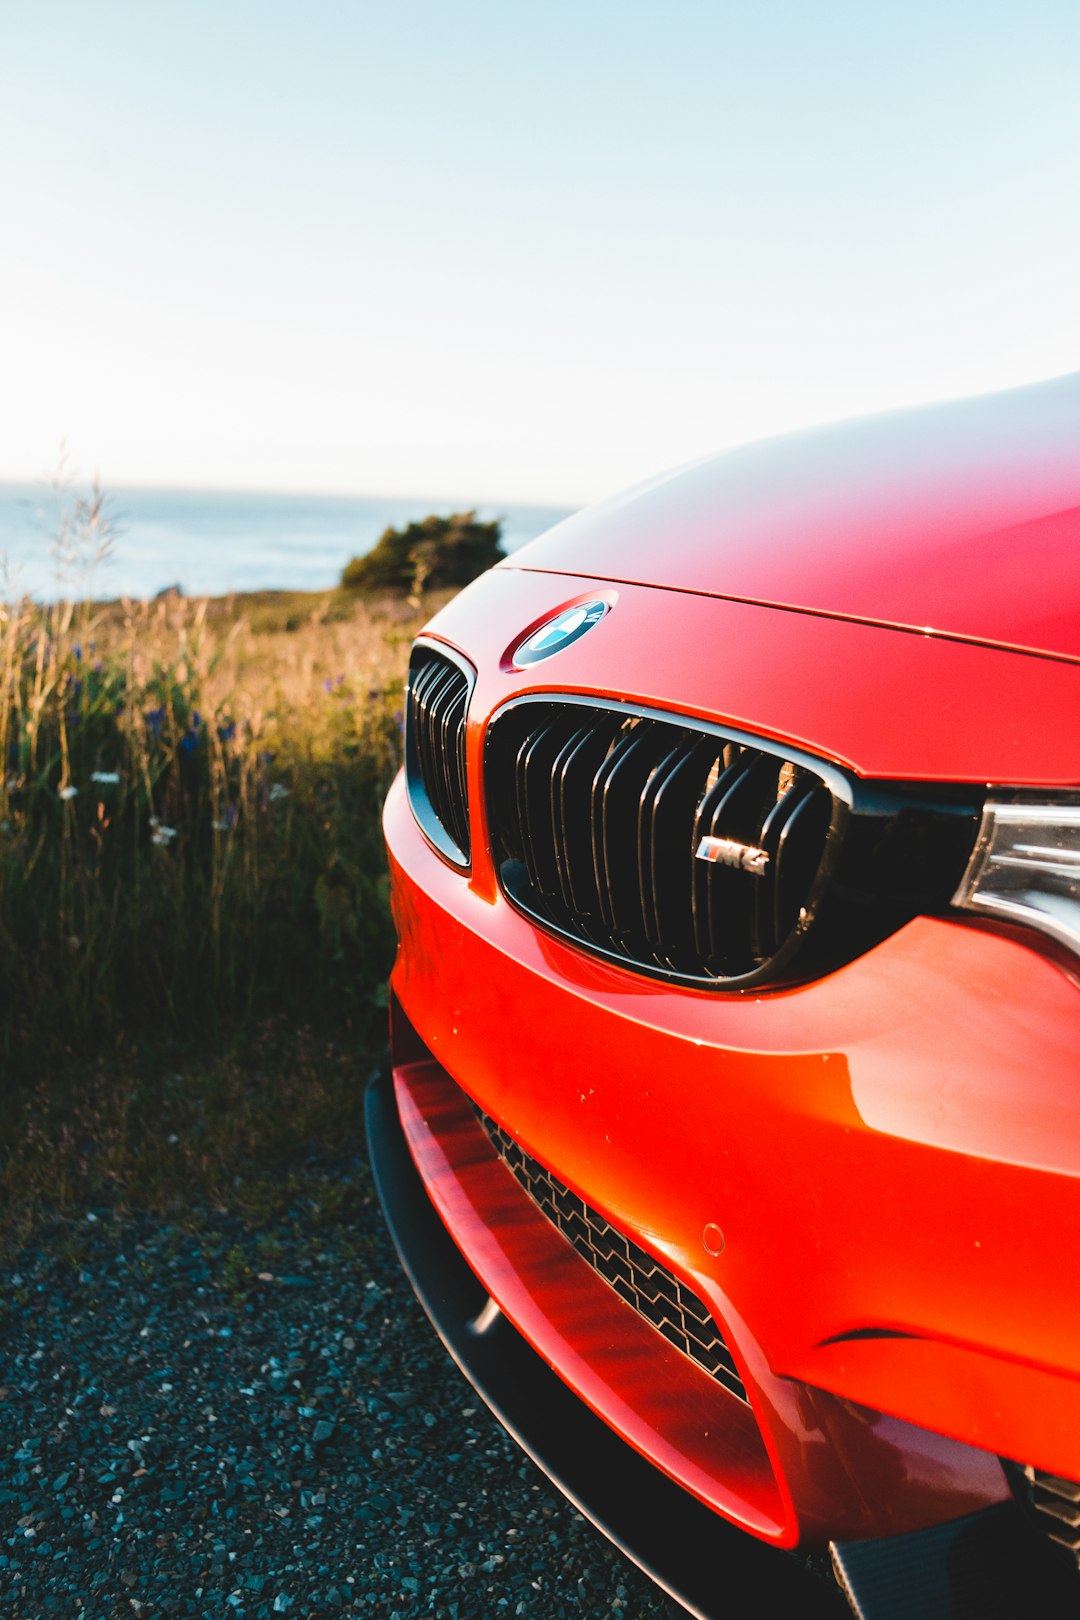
column 212, row 542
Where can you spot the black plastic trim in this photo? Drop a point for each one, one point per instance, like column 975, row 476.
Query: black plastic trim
column 829, row 776
column 893, row 850
column 694, row 1555
column 987, row 1566
column 431, row 824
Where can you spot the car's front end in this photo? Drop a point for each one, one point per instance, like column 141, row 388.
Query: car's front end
column 736, row 1006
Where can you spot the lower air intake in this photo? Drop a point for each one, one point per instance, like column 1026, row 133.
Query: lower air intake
column 647, row 1286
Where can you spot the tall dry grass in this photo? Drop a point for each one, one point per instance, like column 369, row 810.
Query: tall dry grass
column 189, row 814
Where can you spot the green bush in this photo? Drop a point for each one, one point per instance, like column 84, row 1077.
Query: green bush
column 439, row 552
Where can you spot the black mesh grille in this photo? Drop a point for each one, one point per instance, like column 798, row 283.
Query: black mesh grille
column 654, row 1293
column 1056, row 1506
column 604, row 819
column 437, row 699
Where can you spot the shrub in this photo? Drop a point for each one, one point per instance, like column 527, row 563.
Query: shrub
column 440, row 551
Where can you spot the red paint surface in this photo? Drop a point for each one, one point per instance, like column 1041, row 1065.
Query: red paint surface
column 885, row 703
column 963, row 518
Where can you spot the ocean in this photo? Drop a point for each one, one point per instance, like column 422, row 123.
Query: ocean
column 210, row 542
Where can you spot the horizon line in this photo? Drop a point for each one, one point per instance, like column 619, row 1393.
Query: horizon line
column 79, row 482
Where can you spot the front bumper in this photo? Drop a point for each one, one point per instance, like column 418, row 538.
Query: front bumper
column 889, row 1155
column 988, row 1565
column 673, row 1537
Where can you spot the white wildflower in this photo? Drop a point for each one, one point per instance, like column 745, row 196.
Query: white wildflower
column 69, row 792
column 220, row 826
column 106, row 778
column 161, row 834
column 278, row 790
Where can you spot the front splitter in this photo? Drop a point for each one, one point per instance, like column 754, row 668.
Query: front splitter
column 691, row 1553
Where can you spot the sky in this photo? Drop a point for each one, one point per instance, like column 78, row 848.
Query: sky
column 522, row 253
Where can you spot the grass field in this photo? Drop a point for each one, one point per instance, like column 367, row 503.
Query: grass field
column 194, row 930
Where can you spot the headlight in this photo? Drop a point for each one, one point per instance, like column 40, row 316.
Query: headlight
column 1026, row 867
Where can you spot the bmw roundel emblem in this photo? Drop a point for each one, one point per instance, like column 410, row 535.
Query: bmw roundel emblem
column 566, row 627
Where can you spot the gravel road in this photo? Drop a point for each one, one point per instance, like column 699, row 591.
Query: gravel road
column 222, row 1422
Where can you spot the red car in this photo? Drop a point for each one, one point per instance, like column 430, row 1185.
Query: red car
column 732, row 1137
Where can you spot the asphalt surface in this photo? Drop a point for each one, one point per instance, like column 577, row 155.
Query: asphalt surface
column 235, row 1423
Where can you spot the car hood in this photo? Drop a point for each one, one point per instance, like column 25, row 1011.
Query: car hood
column 959, row 519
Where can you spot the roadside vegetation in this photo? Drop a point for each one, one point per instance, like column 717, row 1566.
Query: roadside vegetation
column 194, row 923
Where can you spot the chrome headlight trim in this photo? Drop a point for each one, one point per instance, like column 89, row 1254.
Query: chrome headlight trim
column 1025, row 867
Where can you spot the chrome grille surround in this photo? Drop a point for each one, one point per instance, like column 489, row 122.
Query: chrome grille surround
column 664, row 843
column 642, row 1282
column 437, row 695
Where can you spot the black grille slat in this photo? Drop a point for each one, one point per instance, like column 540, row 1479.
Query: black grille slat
column 448, row 739
column 563, row 774
column 673, row 756
column 453, row 738
column 574, row 791
column 670, row 869
column 641, row 1281
column 709, row 886
column 767, row 936
column 535, row 760
column 598, row 813
column 436, row 707
column 597, row 788
column 630, row 762
column 441, row 753
column 440, row 684
column 805, row 825
column 428, row 687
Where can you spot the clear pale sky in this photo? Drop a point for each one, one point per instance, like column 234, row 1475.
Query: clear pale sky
column 518, row 252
